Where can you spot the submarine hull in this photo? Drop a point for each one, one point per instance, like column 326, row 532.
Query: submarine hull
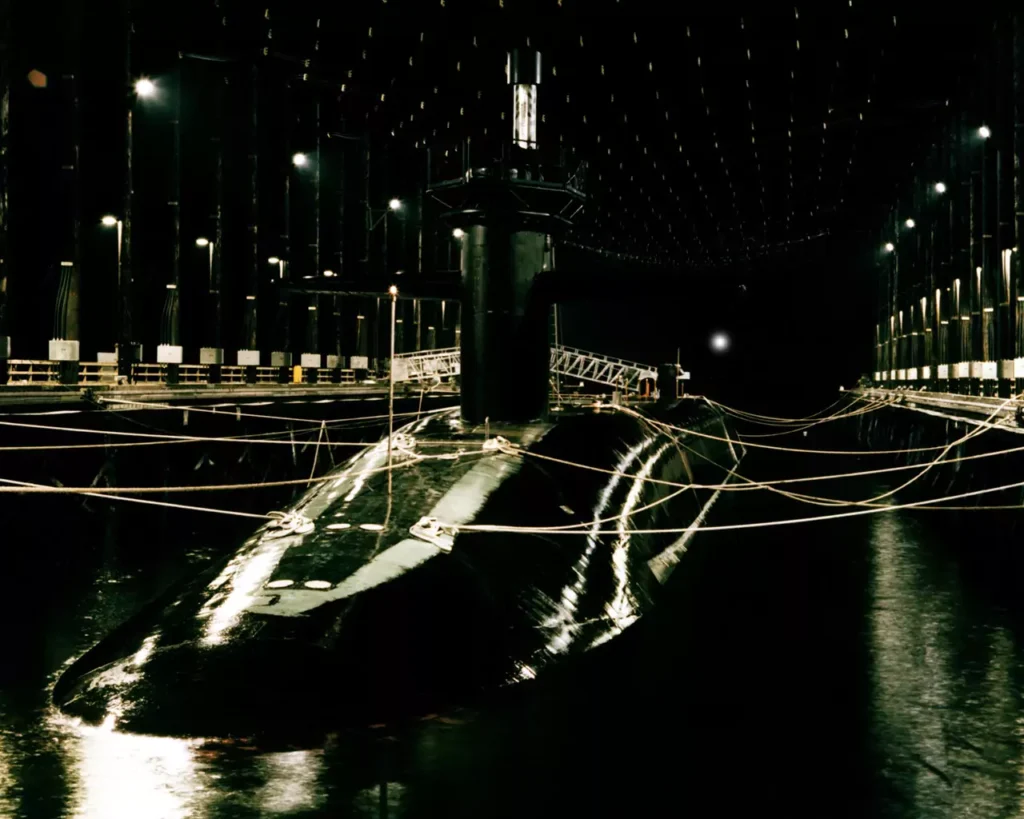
column 362, row 606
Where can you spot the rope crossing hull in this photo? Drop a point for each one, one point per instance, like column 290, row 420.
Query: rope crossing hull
column 352, row 607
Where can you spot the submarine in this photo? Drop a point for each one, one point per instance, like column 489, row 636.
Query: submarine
column 506, row 538
column 359, row 605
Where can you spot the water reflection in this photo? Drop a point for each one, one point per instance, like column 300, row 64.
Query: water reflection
column 945, row 683
column 136, row 777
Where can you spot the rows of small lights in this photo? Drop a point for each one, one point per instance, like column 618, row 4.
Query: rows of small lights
column 399, row 94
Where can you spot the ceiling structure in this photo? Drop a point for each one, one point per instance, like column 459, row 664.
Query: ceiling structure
column 712, row 140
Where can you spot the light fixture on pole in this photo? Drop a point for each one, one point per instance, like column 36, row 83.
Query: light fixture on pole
column 984, row 132
column 910, row 223
column 889, row 247
column 940, row 187
column 280, row 265
column 203, row 242
column 393, row 292
column 458, row 233
column 328, row 273
column 395, row 204
column 300, row 160
column 112, row 221
column 145, row 87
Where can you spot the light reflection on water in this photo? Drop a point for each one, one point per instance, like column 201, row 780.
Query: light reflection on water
column 946, row 683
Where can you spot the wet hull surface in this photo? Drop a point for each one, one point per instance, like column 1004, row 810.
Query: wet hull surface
column 354, row 609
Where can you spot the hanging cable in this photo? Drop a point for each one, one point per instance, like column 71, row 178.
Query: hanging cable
column 736, row 526
column 27, row 487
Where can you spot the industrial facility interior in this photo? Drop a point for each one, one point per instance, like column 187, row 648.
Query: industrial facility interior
column 419, row 408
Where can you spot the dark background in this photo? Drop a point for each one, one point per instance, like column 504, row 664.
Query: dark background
column 780, row 253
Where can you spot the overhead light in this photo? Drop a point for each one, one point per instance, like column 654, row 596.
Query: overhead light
column 392, row 291
column 889, row 247
column 300, row 160
column 273, row 260
column 399, row 272
column 910, row 223
column 145, row 87
column 940, row 187
column 201, row 242
column 719, row 342
column 108, row 221
column 984, row 132
column 328, row 273
column 395, row 204
column 458, row 233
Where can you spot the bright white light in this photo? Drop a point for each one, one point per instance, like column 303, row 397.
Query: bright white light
column 108, row 221
column 300, row 160
column 720, row 342
column 273, row 260
column 145, row 87
column 393, row 291
column 201, row 242
column 984, row 132
column 328, row 273
column 940, row 187
column 395, row 204
column 910, row 223
column 399, row 272
column 458, row 233
column 889, row 247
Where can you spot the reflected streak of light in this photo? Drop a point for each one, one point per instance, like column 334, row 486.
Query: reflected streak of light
column 622, row 608
column 8, row 801
column 372, row 460
column 910, row 623
column 119, row 775
column 564, row 618
column 248, row 572
column 292, row 782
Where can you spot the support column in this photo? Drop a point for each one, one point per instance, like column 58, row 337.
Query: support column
column 169, row 352
column 249, row 347
column 64, row 347
column 5, row 262
column 1017, row 268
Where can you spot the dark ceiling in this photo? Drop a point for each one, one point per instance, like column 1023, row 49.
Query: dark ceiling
column 713, row 138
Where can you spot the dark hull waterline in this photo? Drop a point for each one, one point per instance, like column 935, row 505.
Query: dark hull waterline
column 354, row 612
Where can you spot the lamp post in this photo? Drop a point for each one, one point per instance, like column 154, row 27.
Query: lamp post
column 201, row 242
column 393, row 292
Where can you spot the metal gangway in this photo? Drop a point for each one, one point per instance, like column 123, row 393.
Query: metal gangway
column 566, row 361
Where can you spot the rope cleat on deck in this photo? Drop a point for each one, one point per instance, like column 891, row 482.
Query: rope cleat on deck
column 434, row 532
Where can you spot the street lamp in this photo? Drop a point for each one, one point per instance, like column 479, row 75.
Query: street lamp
column 940, row 187
column 393, row 292
column 910, row 223
column 984, row 132
column 395, row 204
column 300, row 160
column 458, row 233
column 113, row 221
column 203, row 242
column 280, row 265
column 889, row 247
column 328, row 273
column 145, row 87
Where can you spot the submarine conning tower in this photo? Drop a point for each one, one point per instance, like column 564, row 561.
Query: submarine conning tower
column 509, row 205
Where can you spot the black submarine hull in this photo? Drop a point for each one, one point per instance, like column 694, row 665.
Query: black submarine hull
column 362, row 607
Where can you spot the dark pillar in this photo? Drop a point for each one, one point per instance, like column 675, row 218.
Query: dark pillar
column 504, row 346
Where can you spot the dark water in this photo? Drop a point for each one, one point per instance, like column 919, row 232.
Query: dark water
column 862, row 667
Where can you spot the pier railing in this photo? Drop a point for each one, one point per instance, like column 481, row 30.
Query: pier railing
column 26, row 372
